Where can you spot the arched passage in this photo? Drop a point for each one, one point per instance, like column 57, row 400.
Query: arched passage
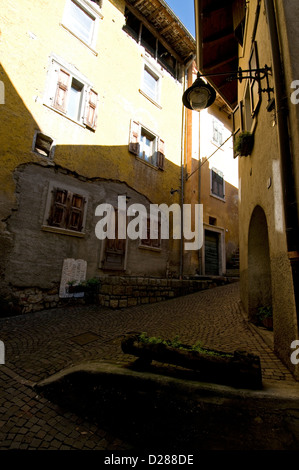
column 259, row 269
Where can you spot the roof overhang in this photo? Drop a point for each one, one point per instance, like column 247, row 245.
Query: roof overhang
column 217, row 46
column 161, row 20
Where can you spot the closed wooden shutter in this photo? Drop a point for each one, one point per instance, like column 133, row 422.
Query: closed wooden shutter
column 75, row 212
column 255, row 87
column 67, row 210
column 91, row 110
column 211, row 253
column 115, row 251
column 238, row 124
column 63, row 85
column 134, row 144
column 161, row 154
column 59, row 208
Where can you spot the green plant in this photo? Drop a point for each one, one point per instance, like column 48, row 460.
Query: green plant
column 93, row 282
column 265, row 312
column 244, row 143
column 176, row 343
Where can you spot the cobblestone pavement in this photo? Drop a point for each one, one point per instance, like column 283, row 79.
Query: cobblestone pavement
column 39, row 344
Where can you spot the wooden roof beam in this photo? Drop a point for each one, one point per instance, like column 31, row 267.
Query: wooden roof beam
column 216, row 6
column 153, row 30
column 219, row 38
column 215, row 65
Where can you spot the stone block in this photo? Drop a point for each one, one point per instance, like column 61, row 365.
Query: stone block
column 113, row 303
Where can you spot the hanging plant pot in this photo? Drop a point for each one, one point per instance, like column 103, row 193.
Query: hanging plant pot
column 244, row 144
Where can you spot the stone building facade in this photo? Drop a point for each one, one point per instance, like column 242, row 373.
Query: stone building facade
column 93, row 113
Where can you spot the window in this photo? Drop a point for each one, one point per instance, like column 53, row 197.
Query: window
column 114, row 255
column 141, row 34
column 70, row 93
column 154, row 242
column 146, row 145
column 217, row 133
column 43, row 145
column 65, row 210
column 239, row 15
column 151, row 83
column 81, row 18
column 217, row 183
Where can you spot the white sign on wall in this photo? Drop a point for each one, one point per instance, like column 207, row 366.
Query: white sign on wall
column 74, row 272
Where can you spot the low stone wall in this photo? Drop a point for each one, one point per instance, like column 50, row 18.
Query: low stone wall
column 122, row 292
column 116, row 292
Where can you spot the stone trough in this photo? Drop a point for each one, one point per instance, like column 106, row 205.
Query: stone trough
column 239, row 369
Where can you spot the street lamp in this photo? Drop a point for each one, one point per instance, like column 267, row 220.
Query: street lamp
column 201, row 95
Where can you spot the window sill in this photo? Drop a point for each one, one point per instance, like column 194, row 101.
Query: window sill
column 150, row 99
column 150, row 248
column 63, row 231
column 218, row 197
column 154, row 167
column 65, row 116
column 79, row 39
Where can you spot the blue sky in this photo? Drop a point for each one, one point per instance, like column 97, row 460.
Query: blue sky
column 184, row 10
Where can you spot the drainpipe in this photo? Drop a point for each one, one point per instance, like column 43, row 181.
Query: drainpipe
column 182, row 189
column 288, row 181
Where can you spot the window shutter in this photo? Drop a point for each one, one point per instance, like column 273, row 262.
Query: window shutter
column 63, row 84
column 58, row 211
column 237, row 122
column 75, row 212
column 91, row 110
column 255, row 87
column 134, row 144
column 115, row 250
column 161, row 154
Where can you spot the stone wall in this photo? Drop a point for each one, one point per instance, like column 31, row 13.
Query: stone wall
column 116, row 292
column 121, row 292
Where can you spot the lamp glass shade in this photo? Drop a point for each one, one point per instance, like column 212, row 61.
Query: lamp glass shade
column 199, row 98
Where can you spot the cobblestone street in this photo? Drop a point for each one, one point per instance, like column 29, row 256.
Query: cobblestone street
column 40, row 344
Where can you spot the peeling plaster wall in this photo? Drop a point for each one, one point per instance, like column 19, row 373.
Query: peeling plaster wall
column 99, row 162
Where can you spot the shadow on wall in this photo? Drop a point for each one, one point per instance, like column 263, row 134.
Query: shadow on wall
column 32, row 168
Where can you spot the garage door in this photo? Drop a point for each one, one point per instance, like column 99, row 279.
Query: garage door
column 211, row 253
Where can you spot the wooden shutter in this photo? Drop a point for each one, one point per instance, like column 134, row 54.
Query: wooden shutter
column 115, row 251
column 134, row 144
column 63, row 85
column 238, row 125
column 75, row 212
column 91, row 110
column 59, row 209
column 147, row 241
column 161, row 154
column 255, row 88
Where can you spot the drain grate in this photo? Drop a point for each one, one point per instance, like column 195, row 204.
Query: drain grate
column 84, row 338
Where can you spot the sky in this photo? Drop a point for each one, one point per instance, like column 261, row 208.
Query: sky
column 184, row 10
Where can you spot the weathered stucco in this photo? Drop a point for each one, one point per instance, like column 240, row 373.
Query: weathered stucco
column 261, row 187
